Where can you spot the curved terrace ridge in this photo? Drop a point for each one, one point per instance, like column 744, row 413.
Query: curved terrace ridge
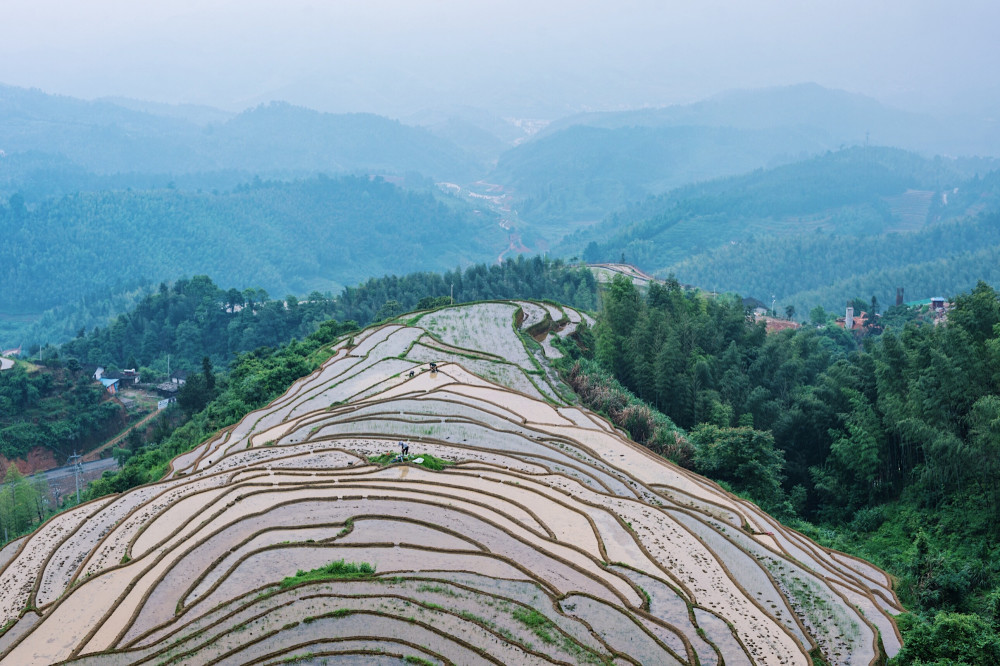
column 433, row 494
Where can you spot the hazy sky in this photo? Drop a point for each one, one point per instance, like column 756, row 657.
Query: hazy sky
column 518, row 57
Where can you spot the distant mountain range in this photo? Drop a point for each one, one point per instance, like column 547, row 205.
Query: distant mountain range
column 581, row 167
column 108, row 137
column 662, row 186
column 646, row 151
column 833, row 117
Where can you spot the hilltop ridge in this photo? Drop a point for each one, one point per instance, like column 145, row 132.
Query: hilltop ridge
column 517, row 528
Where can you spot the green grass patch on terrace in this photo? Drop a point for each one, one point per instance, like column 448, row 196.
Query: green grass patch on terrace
column 438, row 589
column 540, row 625
column 426, row 460
column 336, row 570
column 411, row 659
column 548, row 633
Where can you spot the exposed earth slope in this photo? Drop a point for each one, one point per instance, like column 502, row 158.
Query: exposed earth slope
column 520, row 529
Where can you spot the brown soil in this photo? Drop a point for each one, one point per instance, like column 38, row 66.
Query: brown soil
column 39, row 459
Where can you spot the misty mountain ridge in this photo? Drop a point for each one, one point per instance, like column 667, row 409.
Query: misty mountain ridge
column 834, row 116
column 199, row 114
column 582, row 173
column 274, row 139
column 651, row 175
column 582, row 167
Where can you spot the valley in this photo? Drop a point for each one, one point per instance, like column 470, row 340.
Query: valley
column 647, row 385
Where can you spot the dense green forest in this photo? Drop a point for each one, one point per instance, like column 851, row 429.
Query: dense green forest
column 534, row 278
column 857, row 222
column 61, row 408
column 194, row 318
column 190, row 320
column 23, row 503
column 316, row 234
column 841, row 192
column 39, row 176
column 945, row 276
column 827, row 270
column 64, row 322
column 889, row 448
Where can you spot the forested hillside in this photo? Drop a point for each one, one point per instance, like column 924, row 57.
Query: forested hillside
column 39, row 176
column 891, row 447
column 842, row 192
column 316, row 234
column 848, row 224
column 59, row 408
column 193, row 318
column 581, row 173
column 825, row 269
column 583, row 167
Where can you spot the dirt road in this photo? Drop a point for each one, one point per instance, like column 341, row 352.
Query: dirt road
column 96, row 453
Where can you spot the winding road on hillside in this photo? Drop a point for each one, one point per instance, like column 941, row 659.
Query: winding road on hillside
column 96, row 453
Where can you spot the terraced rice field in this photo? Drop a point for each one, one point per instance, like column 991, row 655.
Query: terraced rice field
column 520, row 529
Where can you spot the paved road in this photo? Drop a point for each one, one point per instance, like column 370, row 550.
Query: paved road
column 97, row 468
column 61, row 480
column 62, row 483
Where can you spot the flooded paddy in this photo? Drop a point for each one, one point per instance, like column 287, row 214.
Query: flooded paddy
column 533, row 532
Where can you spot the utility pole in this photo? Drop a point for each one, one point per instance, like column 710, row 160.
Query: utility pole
column 452, row 293
column 77, row 468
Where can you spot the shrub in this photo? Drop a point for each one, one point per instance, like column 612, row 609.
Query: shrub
column 338, row 569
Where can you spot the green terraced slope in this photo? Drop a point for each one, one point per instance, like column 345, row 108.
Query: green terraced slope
column 518, row 529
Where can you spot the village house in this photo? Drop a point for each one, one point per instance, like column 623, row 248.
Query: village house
column 130, row 376
column 851, row 323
